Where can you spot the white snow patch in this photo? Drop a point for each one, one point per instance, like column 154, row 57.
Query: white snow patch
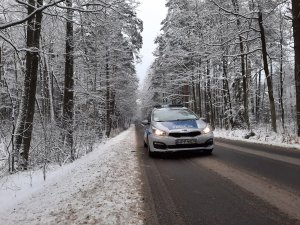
column 102, row 187
column 261, row 136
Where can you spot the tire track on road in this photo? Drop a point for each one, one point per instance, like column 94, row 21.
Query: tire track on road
column 282, row 158
column 263, row 188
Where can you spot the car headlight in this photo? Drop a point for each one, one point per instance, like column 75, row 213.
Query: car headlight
column 207, row 129
column 158, row 132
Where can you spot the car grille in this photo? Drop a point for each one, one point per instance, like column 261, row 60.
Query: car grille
column 189, row 134
column 189, row 146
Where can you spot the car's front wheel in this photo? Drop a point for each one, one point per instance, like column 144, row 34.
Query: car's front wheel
column 209, row 152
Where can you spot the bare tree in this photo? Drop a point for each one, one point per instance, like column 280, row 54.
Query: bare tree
column 267, row 73
column 243, row 64
column 27, row 108
column 68, row 105
column 296, row 33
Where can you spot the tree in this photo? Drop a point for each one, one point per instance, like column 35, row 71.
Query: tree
column 68, row 104
column 296, row 34
column 33, row 12
column 71, row 115
column 243, row 64
column 27, row 108
column 267, row 73
column 232, row 60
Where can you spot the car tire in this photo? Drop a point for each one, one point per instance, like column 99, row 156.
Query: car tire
column 209, row 152
column 151, row 154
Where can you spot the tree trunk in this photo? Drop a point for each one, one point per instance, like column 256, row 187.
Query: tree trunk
column 258, row 98
column 243, row 67
column 267, row 73
column 48, row 77
column 34, row 69
column 227, row 97
column 281, row 74
column 24, row 101
column 68, row 106
column 199, row 89
column 209, row 96
column 195, row 108
column 25, row 120
column 296, row 34
column 1, row 66
column 108, row 100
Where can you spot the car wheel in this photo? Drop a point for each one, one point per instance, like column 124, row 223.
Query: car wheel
column 209, row 152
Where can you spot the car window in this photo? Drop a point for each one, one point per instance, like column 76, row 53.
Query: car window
column 161, row 115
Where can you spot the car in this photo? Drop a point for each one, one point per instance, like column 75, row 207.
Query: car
column 174, row 128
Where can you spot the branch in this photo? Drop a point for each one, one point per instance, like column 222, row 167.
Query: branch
column 4, row 26
column 104, row 5
column 82, row 10
column 228, row 11
column 246, row 53
column 17, row 49
column 227, row 43
column 9, row 42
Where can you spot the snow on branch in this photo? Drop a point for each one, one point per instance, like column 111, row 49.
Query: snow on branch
column 7, row 25
column 9, row 42
column 230, row 12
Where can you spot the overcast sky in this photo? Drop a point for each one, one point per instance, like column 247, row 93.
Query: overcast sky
column 152, row 12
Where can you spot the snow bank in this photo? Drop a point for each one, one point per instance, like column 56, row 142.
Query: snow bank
column 102, row 187
column 261, row 136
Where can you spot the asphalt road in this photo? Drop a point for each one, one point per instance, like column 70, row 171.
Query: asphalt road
column 240, row 183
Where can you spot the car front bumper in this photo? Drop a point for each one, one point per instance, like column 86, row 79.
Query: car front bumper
column 169, row 144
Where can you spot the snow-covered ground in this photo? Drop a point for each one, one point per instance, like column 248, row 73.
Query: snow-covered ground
column 102, row 187
column 261, row 136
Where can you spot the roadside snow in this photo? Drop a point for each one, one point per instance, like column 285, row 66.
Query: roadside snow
column 102, row 187
column 261, row 137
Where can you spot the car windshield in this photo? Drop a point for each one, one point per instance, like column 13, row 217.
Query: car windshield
column 162, row 115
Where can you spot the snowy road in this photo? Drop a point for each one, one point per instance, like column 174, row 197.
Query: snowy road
column 241, row 183
column 102, row 187
column 117, row 183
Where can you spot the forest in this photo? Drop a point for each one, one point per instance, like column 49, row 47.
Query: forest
column 67, row 77
column 234, row 62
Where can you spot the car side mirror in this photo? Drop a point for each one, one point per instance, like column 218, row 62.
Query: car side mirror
column 145, row 122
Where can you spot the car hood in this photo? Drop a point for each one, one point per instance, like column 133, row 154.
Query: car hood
column 180, row 125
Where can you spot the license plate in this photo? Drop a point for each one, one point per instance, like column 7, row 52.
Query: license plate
column 186, row 141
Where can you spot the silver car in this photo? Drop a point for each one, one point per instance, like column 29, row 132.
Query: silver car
column 173, row 129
